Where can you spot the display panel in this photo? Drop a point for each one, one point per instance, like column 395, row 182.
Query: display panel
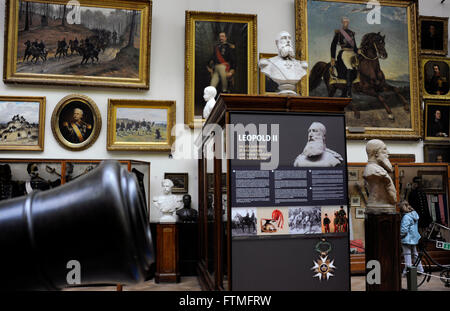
column 288, row 184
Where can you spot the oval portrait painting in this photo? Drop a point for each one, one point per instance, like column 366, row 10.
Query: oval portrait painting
column 76, row 122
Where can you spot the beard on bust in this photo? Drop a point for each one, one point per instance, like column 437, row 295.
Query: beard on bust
column 385, row 163
column 314, row 147
column 286, row 51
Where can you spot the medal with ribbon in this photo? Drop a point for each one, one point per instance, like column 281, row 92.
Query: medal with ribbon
column 323, row 267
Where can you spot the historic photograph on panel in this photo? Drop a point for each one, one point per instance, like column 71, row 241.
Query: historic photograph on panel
column 243, row 221
column 304, row 220
column 433, row 35
column 436, row 153
column 140, row 124
column 334, row 219
column 436, row 77
column 76, row 122
column 220, row 52
column 271, row 220
column 373, row 63
column 90, row 44
column 433, row 181
column 437, row 115
column 22, row 123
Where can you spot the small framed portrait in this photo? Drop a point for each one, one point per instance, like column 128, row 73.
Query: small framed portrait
column 435, row 77
column 433, row 181
column 220, row 52
column 266, row 84
column 141, row 125
column 437, row 115
column 76, row 122
column 355, row 200
column 436, row 153
column 359, row 212
column 85, row 42
column 22, row 123
column 180, row 182
column 433, row 34
column 353, row 174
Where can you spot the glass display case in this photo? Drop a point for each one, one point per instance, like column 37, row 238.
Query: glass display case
column 424, row 185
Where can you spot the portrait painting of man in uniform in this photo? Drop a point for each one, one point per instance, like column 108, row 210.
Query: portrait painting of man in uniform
column 76, row 122
column 220, row 52
column 365, row 51
column 436, row 77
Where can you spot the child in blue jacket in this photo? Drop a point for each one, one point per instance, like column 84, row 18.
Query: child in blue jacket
column 409, row 233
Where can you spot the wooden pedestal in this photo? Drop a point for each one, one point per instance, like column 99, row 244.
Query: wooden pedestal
column 167, row 254
column 383, row 244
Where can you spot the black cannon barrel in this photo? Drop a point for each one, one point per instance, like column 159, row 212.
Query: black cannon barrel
column 98, row 220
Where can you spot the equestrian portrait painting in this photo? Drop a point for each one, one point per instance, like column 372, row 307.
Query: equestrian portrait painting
column 366, row 51
column 83, row 42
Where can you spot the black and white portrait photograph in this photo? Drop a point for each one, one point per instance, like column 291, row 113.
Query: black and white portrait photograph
column 437, row 120
column 243, row 221
column 305, row 220
column 315, row 153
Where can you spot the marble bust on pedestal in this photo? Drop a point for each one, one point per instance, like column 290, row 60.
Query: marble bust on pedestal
column 382, row 192
column 284, row 69
column 167, row 203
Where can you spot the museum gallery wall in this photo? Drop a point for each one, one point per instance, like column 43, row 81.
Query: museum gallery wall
column 146, row 71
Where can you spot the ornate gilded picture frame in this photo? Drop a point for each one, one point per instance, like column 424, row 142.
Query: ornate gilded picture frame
column 140, row 125
column 435, row 77
column 266, row 85
column 95, row 43
column 347, row 43
column 220, row 51
column 76, row 122
column 22, row 123
column 433, row 35
column 437, row 120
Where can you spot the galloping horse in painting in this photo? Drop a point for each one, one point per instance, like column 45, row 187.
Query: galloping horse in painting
column 370, row 80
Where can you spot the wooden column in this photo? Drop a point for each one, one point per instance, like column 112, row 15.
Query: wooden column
column 167, row 269
column 382, row 233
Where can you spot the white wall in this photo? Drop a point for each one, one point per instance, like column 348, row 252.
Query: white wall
column 167, row 81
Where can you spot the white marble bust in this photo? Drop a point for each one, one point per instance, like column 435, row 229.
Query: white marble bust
column 284, row 69
column 167, row 203
column 209, row 95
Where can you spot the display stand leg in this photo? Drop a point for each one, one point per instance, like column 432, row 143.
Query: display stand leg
column 382, row 234
column 119, row 288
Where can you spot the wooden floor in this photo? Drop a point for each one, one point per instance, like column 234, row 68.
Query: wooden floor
column 192, row 284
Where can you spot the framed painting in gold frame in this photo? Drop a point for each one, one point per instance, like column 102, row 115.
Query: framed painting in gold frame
column 437, row 120
column 266, row 85
column 220, row 51
column 386, row 107
column 76, row 122
column 433, row 35
column 95, row 43
column 435, row 77
column 141, row 125
column 22, row 123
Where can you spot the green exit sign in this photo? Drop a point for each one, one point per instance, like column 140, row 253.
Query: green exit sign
column 443, row 245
